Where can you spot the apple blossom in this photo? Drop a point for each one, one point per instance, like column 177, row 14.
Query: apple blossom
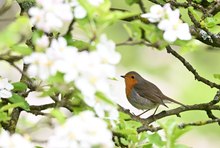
column 42, row 42
column 155, row 15
column 90, row 71
column 5, row 88
column 51, row 15
column 76, row 132
column 95, row 2
column 79, row 11
column 13, row 141
column 168, row 21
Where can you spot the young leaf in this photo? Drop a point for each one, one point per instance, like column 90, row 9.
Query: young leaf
column 104, row 98
column 22, row 102
column 156, row 139
column 19, row 86
column 61, row 118
column 131, row 2
column 172, row 132
column 4, row 116
column 217, row 76
column 22, row 49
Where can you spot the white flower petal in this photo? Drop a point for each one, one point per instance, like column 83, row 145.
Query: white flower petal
column 80, row 12
column 169, row 36
column 76, row 132
column 5, row 93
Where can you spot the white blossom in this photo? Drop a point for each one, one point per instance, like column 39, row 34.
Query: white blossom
column 106, row 51
column 5, row 88
column 168, row 21
column 40, row 65
column 14, row 141
column 76, row 132
column 177, row 30
column 51, row 15
column 155, row 15
column 79, row 11
column 42, row 42
column 90, row 71
column 95, row 2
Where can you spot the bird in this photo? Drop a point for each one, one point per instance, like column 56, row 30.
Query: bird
column 143, row 94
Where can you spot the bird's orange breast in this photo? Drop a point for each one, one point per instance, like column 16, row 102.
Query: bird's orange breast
column 129, row 86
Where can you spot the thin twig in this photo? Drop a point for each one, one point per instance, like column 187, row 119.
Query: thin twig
column 191, row 69
column 198, row 123
column 180, row 126
column 70, row 26
column 141, row 5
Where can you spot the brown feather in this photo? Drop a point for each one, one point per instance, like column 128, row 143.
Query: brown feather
column 149, row 91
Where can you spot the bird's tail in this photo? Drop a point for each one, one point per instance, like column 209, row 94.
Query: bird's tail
column 174, row 101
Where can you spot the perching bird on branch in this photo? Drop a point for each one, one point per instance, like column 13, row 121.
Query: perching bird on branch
column 143, row 94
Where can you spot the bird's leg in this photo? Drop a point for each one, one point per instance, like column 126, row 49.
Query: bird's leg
column 155, row 110
column 143, row 113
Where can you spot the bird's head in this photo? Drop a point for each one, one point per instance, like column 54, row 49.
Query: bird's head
column 131, row 78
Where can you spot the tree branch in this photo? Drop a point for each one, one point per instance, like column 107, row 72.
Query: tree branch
column 141, row 5
column 207, row 107
column 198, row 123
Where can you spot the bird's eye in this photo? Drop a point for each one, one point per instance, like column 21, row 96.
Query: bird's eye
column 132, row 77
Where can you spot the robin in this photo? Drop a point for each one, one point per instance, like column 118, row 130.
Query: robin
column 143, row 94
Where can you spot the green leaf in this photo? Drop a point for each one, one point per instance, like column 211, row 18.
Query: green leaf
column 217, row 18
column 156, row 139
column 22, row 102
column 124, row 141
column 172, row 132
column 115, row 16
column 22, row 49
column 188, row 46
column 78, row 44
column 198, row 1
column 4, row 116
column 127, row 131
column 148, row 145
column 215, row 29
column 195, row 13
column 181, row 146
column 132, row 124
column 49, row 92
column 11, row 106
column 16, row 32
column 131, row 2
column 57, row 78
column 102, row 96
column 210, row 22
column 123, row 116
column 128, row 29
column 217, row 76
column 19, row 86
column 61, row 118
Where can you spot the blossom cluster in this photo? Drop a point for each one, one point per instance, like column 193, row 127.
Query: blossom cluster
column 84, row 130
column 55, row 15
column 169, row 21
column 51, row 15
column 14, row 141
column 89, row 70
column 5, row 88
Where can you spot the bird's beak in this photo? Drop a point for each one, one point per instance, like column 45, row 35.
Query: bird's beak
column 123, row 76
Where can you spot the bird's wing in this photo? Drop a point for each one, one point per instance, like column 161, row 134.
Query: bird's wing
column 149, row 91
